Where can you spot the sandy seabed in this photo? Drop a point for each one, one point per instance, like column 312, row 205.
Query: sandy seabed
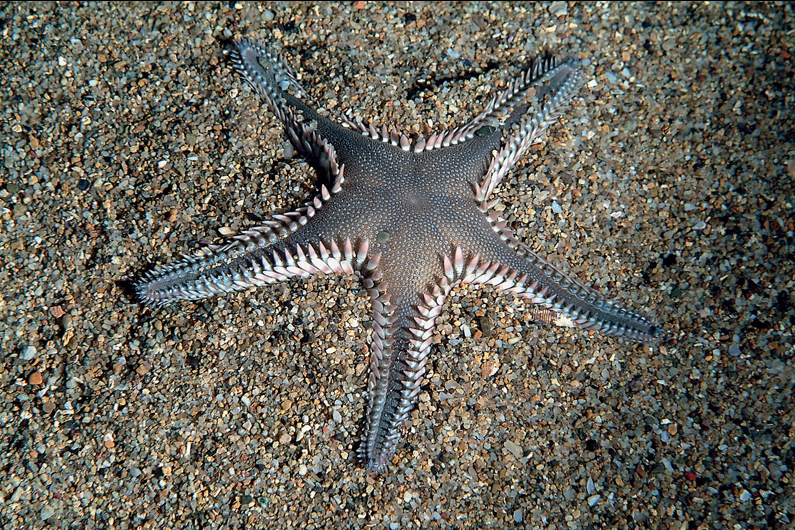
column 128, row 140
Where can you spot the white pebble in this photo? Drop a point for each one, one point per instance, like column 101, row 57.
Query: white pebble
column 514, row 449
column 47, row 512
column 559, row 8
column 29, row 353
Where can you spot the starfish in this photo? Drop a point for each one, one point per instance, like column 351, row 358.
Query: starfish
column 410, row 219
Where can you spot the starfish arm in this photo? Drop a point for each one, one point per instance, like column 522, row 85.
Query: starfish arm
column 477, row 150
column 251, row 260
column 524, row 273
column 544, row 66
column 540, row 67
column 402, row 338
column 321, row 140
column 273, row 252
column 270, row 83
column 565, row 83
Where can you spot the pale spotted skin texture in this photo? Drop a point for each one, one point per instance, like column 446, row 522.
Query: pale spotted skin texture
column 410, row 219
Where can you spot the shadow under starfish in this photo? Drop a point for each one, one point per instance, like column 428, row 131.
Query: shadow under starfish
column 411, row 219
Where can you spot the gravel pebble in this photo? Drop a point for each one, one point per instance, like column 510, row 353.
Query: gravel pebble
column 28, row 353
column 559, row 8
column 46, row 512
column 514, row 449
